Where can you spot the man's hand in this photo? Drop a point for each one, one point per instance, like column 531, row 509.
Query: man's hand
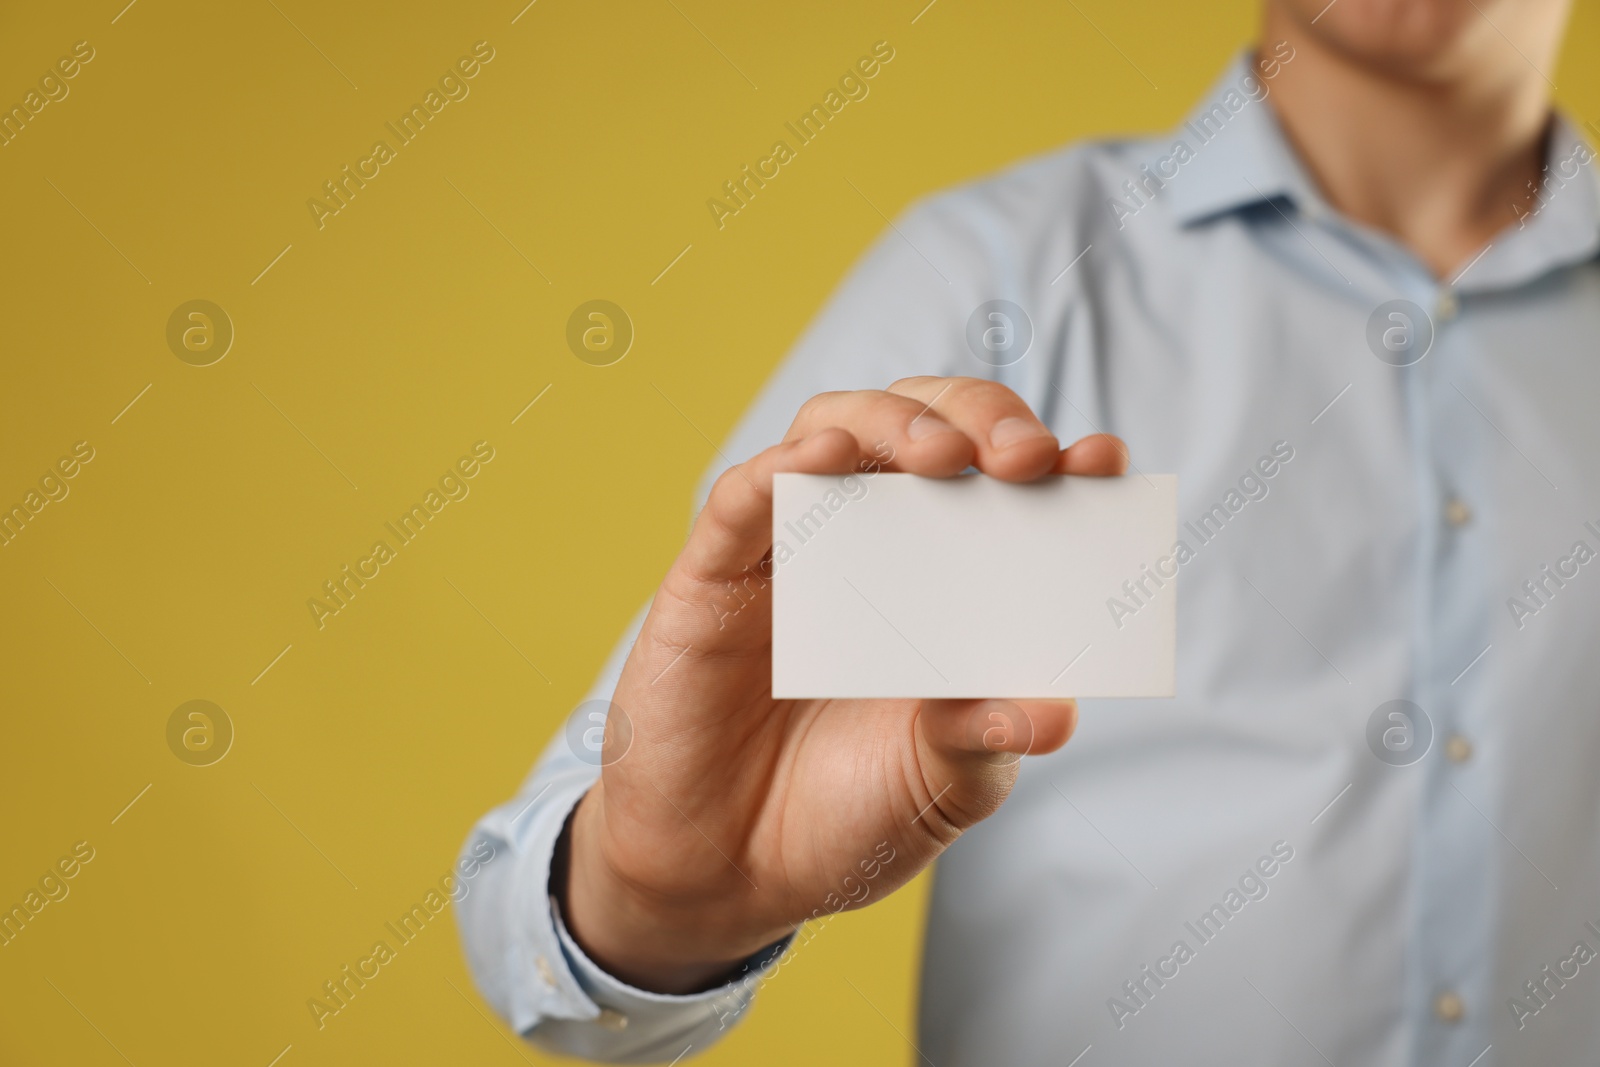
column 735, row 817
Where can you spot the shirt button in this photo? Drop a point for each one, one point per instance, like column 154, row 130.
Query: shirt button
column 545, row 971
column 1456, row 512
column 612, row 1020
column 1448, row 305
column 1449, row 1007
column 1458, row 749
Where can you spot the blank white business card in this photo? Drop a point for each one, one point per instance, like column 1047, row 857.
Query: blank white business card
column 894, row 585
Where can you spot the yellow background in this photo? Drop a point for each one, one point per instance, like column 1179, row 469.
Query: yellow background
column 405, row 330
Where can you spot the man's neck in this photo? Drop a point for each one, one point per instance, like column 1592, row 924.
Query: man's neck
column 1441, row 165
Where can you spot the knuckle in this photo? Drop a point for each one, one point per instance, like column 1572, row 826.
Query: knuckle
column 984, row 391
column 729, row 494
column 967, row 805
column 913, row 384
column 938, row 828
column 819, row 403
column 727, row 483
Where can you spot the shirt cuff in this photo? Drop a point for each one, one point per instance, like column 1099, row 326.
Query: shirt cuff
column 620, row 1006
column 574, row 1004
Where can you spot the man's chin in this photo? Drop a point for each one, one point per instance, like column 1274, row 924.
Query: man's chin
column 1413, row 40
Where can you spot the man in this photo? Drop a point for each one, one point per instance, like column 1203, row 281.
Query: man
column 1352, row 303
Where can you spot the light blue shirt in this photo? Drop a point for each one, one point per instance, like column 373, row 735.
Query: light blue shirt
column 1278, row 866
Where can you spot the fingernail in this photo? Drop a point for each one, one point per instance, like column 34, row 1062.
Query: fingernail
column 927, row 425
column 1014, row 430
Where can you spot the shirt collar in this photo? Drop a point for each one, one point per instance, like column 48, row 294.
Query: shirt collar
column 1561, row 227
column 1241, row 157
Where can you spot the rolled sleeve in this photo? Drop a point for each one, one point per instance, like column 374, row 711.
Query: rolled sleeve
column 506, row 928
column 531, row 969
column 631, row 1025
